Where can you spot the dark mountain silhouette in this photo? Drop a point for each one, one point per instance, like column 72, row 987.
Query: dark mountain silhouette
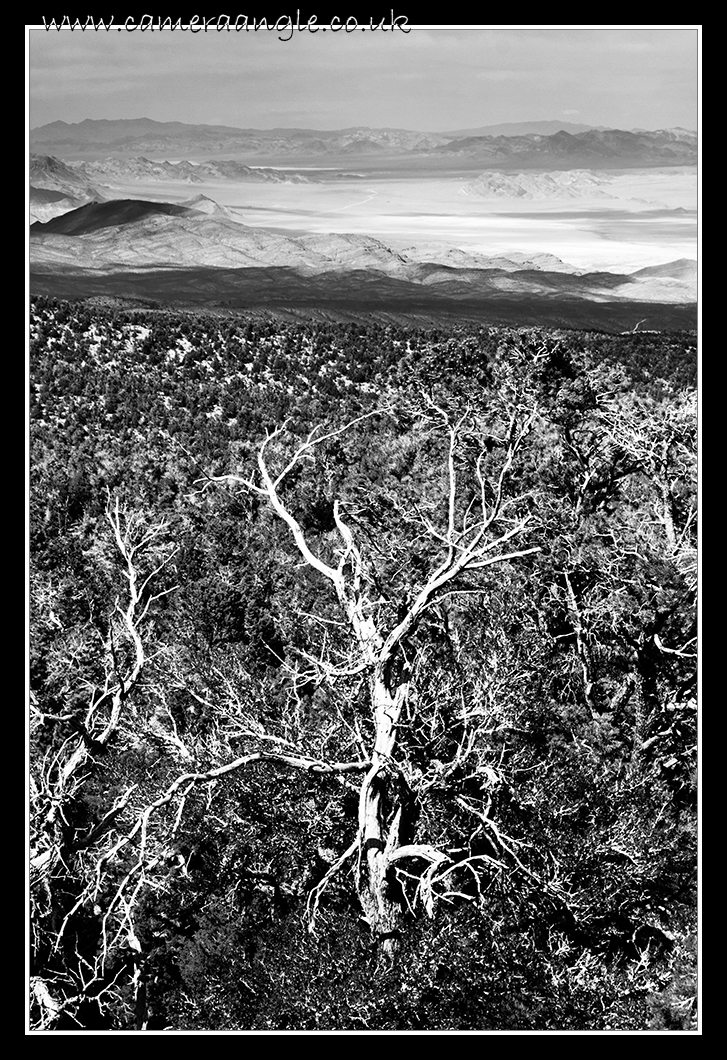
column 96, row 215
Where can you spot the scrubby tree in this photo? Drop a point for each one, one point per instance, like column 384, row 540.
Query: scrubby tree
column 483, row 524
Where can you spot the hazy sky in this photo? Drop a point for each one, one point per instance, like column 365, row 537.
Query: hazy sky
column 435, row 78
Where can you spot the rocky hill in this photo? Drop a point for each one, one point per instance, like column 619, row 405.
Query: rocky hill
column 52, row 174
column 562, row 185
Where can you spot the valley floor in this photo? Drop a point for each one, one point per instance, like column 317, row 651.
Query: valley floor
column 648, row 217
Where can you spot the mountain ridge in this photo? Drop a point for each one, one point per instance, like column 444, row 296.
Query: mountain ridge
column 144, row 136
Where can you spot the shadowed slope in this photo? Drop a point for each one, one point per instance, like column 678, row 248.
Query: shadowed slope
column 95, row 215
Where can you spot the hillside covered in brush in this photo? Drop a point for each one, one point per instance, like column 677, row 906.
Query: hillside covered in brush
column 362, row 674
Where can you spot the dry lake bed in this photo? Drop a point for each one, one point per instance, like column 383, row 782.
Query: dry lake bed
column 631, row 219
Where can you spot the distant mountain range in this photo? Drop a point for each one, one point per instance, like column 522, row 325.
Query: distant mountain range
column 124, row 169
column 554, row 145
column 173, row 250
column 523, row 128
column 606, row 148
column 57, row 187
column 90, row 138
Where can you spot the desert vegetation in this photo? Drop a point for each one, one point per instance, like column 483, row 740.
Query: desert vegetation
column 362, row 676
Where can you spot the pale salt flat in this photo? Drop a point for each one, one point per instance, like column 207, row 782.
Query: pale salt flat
column 649, row 219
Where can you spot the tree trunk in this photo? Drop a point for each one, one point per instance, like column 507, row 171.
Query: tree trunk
column 380, row 813
column 377, row 891
column 667, row 509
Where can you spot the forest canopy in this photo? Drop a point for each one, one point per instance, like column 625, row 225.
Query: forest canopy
column 362, row 675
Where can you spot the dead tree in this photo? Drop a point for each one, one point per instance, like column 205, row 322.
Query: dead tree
column 57, row 778
column 483, row 528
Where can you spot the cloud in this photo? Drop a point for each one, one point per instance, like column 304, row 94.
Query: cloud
column 428, row 79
